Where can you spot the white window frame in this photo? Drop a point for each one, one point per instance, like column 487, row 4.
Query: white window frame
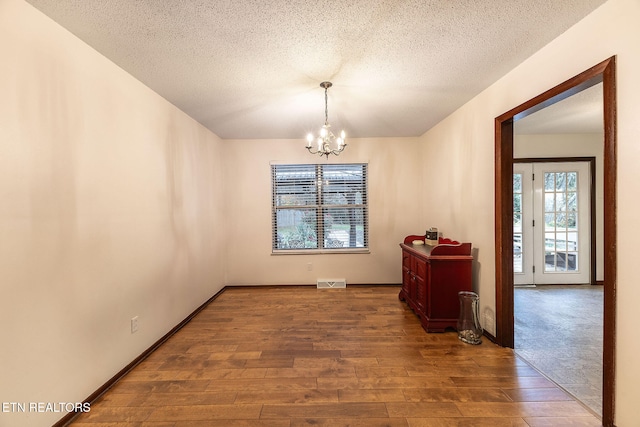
column 307, row 187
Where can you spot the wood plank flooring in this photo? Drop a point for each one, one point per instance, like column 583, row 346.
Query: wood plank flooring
column 297, row 356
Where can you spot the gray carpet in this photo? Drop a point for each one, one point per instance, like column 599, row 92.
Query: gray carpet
column 558, row 330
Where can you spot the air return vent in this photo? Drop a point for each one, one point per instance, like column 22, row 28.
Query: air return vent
column 331, row 283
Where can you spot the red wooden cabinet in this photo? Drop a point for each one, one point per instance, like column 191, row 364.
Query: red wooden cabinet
column 432, row 276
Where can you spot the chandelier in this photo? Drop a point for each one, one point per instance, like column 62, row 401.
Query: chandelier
column 326, row 143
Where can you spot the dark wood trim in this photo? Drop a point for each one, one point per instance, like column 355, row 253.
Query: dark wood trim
column 604, row 72
column 106, row 386
column 310, row 285
column 582, row 81
column 592, row 200
column 553, row 159
column 610, row 240
column 504, row 231
column 489, row 337
column 594, row 238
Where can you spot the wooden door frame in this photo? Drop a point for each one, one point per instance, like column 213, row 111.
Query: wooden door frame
column 605, row 73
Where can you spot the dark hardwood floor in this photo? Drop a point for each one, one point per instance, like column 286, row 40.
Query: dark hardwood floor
column 297, row 356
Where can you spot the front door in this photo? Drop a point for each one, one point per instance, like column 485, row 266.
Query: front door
column 552, row 223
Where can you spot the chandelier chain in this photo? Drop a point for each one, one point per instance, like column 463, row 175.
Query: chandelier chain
column 326, row 106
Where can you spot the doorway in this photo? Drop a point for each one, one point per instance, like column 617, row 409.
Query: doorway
column 553, row 205
column 504, row 159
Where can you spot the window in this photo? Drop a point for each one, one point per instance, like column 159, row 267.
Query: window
column 319, row 207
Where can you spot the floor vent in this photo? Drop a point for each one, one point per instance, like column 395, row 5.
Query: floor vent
column 331, row 283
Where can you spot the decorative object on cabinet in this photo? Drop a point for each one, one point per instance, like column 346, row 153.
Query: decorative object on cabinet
column 432, row 276
column 412, row 238
column 431, row 236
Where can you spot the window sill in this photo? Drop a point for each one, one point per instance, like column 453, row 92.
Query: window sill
column 321, row 251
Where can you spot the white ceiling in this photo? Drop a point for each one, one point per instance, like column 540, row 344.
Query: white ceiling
column 582, row 112
column 252, row 68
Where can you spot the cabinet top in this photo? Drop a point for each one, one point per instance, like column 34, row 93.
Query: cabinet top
column 459, row 251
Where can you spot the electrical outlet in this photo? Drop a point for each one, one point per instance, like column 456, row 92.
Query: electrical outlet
column 309, row 266
column 134, row 324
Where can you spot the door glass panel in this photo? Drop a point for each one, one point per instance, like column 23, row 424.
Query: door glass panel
column 572, row 239
column 517, row 183
column 561, row 221
column 561, row 202
column 572, row 201
column 572, row 263
column 550, row 241
column 549, row 182
column 572, row 181
column 517, row 223
column 549, row 218
column 549, row 261
column 561, row 181
column 561, row 237
column 549, row 202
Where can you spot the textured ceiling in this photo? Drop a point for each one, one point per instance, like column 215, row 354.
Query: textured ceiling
column 252, row 68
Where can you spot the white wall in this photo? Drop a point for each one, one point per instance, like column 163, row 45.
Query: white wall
column 464, row 143
column 394, row 212
column 109, row 198
column 571, row 145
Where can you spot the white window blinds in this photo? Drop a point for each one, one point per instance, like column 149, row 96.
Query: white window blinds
column 319, row 207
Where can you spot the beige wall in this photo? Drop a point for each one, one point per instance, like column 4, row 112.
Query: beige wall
column 394, row 212
column 610, row 30
column 109, row 200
